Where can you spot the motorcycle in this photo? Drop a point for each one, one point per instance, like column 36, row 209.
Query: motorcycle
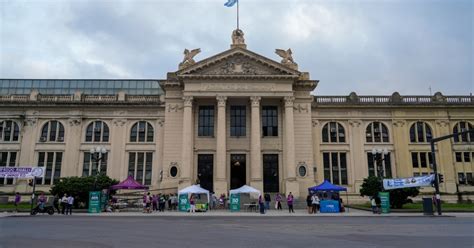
column 46, row 209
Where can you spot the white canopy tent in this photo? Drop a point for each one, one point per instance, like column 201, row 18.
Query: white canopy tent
column 246, row 189
column 194, row 189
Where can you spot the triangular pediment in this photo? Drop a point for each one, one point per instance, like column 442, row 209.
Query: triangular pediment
column 237, row 62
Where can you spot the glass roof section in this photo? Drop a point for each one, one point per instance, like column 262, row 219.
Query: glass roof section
column 87, row 86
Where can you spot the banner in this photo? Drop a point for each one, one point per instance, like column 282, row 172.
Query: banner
column 21, row 172
column 385, row 202
column 94, row 202
column 398, row 183
column 234, row 202
column 183, row 204
column 329, row 206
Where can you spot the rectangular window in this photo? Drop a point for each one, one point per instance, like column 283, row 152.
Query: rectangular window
column 140, row 166
column 416, row 174
column 335, row 167
column 414, row 160
column 467, row 157
column 7, row 159
column 206, row 121
column 52, row 161
column 237, row 121
column 93, row 166
column 461, row 178
column 423, row 159
column 458, row 157
column 469, row 178
column 379, row 166
column 370, row 162
column 269, row 121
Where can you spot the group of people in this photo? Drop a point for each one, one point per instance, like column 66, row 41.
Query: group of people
column 312, row 202
column 264, row 202
column 158, row 202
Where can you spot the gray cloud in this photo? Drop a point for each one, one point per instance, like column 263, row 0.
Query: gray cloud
column 371, row 47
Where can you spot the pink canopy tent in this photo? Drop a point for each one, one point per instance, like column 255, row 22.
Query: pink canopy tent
column 128, row 183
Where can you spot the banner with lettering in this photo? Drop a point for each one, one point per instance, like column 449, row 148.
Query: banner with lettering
column 398, row 183
column 21, row 172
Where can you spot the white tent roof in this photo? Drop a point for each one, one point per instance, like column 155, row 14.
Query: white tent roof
column 194, row 189
column 245, row 189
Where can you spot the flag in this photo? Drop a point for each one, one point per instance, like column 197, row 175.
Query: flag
column 230, row 3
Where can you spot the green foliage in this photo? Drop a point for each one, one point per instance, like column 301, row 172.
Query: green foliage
column 79, row 187
column 372, row 185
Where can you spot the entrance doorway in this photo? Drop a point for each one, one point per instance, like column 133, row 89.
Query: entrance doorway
column 238, row 175
column 270, row 173
column 206, row 171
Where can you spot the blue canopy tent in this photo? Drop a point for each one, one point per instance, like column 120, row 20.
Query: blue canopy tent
column 328, row 186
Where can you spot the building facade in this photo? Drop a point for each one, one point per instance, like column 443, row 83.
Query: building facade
column 232, row 119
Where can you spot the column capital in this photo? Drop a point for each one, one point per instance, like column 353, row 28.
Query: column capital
column 289, row 100
column 221, row 100
column 188, row 101
column 255, row 100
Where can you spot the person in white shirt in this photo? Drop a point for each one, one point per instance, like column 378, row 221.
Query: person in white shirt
column 315, row 203
column 70, row 202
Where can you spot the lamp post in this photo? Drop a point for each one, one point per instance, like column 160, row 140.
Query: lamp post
column 378, row 162
column 97, row 154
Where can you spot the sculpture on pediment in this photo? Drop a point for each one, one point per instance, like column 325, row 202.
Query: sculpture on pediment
column 188, row 57
column 287, row 58
column 238, row 37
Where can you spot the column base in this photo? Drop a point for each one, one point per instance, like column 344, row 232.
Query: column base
column 220, row 187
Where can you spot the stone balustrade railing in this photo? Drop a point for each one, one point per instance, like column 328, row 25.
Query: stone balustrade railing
column 394, row 99
column 78, row 98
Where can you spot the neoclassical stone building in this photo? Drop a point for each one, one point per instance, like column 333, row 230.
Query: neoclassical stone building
column 232, row 119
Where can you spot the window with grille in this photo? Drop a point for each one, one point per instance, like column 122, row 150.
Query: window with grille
column 206, row 121
column 238, row 121
column 140, row 166
column 376, row 164
column 7, row 159
column 377, row 132
column 97, row 131
column 420, row 132
column 52, row 163
column 92, row 167
column 9, row 131
column 141, row 131
column 52, row 131
column 333, row 132
column 461, row 127
column 335, row 167
column 269, row 121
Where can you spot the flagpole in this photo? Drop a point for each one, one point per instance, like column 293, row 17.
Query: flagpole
column 237, row 14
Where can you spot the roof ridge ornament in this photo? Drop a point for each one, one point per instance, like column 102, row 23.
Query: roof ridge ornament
column 287, row 58
column 188, row 58
column 238, row 39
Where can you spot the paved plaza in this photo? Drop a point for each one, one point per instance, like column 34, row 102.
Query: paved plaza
column 224, row 229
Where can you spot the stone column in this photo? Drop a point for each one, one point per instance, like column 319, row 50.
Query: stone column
column 187, row 145
column 220, row 182
column 256, row 169
column 289, row 148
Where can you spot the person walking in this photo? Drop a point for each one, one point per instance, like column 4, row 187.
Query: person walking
column 278, row 201
column 155, row 203
column 373, row 205
column 267, row 201
column 315, row 203
column 309, row 204
column 64, row 204
column 261, row 204
column 17, row 201
column 192, row 203
column 378, row 203
column 289, row 201
column 56, row 203
column 70, row 203
column 148, row 200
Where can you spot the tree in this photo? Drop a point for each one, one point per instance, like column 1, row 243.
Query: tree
column 398, row 197
column 79, row 187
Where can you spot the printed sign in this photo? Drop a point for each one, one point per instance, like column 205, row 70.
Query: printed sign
column 329, row 206
column 21, row 172
column 385, row 202
column 235, row 202
column 398, row 183
column 183, row 203
column 94, row 202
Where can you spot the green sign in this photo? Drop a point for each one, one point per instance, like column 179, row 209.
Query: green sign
column 94, row 202
column 235, row 202
column 103, row 199
column 183, row 203
column 385, row 202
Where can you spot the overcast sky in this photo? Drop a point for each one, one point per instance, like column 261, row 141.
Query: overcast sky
column 370, row 47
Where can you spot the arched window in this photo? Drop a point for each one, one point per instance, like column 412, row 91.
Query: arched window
column 420, row 132
column 97, row 131
column 53, row 131
column 141, row 131
column 376, row 132
column 9, row 131
column 461, row 127
column 333, row 132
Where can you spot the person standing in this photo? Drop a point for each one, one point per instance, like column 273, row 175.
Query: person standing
column 192, row 203
column 373, row 205
column 315, row 203
column 260, row 204
column 278, row 201
column 42, row 201
column 267, row 201
column 289, row 201
column 64, row 204
column 155, row 202
column 70, row 203
column 17, row 200
column 56, row 203
column 214, row 201
column 309, row 204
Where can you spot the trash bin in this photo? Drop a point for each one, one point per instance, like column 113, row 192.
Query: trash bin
column 427, row 206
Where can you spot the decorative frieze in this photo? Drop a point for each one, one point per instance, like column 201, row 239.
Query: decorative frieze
column 119, row 122
column 399, row 123
column 74, row 121
column 301, row 108
column 442, row 123
column 174, row 107
column 355, row 123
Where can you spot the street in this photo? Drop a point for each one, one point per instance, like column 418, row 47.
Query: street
column 232, row 231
